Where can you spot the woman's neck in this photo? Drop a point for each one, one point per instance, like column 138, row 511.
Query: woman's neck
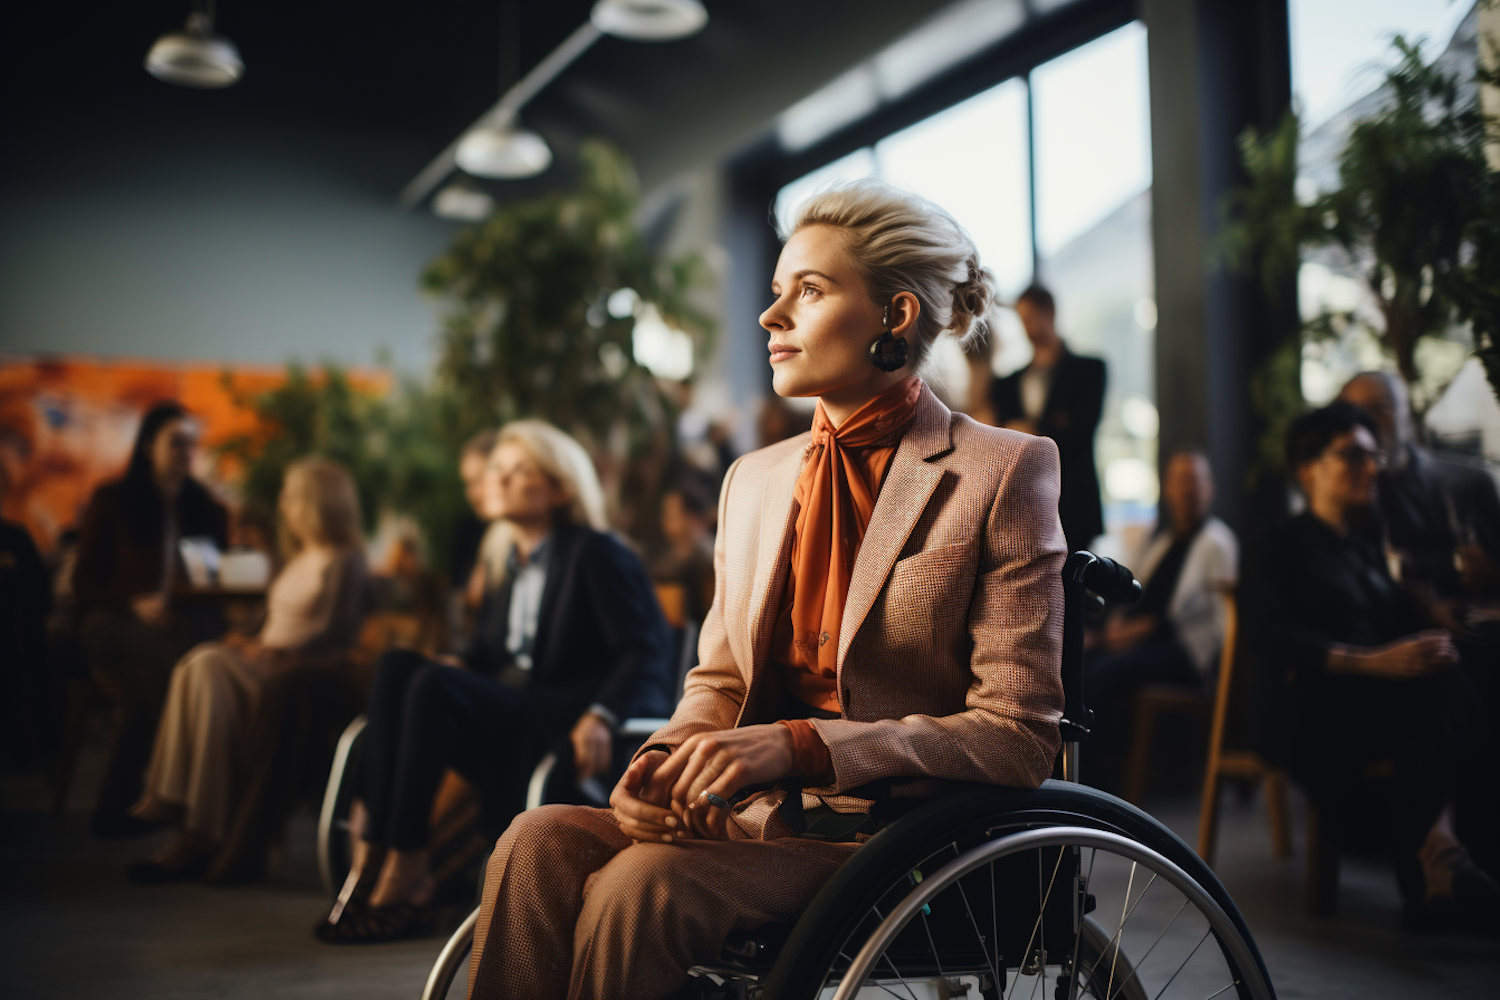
column 841, row 403
column 529, row 534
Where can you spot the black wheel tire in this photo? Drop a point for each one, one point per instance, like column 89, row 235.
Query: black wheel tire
column 814, row 941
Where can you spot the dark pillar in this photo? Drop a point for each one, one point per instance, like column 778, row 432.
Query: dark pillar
column 1215, row 68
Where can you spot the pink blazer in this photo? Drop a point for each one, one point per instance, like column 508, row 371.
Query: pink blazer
column 949, row 661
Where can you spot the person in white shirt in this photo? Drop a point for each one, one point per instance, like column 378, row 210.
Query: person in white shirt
column 1173, row 634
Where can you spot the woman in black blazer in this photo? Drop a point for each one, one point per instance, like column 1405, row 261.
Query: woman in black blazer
column 570, row 639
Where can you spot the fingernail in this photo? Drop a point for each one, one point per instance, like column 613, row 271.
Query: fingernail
column 671, row 820
column 666, row 838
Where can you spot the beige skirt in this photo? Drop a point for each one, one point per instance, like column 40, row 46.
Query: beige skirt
column 201, row 745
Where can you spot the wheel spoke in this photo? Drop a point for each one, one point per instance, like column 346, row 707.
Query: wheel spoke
column 892, row 964
column 1185, row 961
column 1124, row 917
column 975, row 924
column 1036, row 927
column 1135, row 966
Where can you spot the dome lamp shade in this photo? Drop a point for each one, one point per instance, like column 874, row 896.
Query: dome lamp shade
column 195, row 56
column 649, row 20
column 506, row 153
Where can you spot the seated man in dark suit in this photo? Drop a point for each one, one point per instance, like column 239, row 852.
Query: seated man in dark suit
column 1059, row 395
column 1379, row 720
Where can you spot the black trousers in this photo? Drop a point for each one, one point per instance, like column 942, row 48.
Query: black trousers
column 426, row 717
column 1112, row 679
column 1381, row 758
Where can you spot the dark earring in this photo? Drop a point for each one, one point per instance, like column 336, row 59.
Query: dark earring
column 888, row 353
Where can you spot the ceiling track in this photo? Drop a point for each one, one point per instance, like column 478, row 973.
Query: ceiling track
column 504, row 111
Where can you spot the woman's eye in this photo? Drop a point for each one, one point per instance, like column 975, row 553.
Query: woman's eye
column 811, row 291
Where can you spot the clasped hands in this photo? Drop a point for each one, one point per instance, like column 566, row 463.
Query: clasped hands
column 660, row 797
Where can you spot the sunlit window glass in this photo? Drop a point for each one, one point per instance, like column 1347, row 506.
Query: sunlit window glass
column 971, row 159
column 1093, row 181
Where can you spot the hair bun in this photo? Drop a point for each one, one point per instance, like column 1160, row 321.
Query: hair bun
column 972, row 299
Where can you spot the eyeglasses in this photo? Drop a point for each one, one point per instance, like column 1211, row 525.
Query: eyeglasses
column 1354, row 456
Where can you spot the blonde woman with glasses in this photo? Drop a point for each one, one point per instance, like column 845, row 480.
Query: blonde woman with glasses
column 315, row 606
column 569, row 641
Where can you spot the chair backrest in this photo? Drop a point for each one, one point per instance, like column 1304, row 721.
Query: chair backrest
column 1089, row 582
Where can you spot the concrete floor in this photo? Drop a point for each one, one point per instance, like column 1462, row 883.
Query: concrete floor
column 72, row 926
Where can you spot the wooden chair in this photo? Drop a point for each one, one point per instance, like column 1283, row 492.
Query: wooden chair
column 1322, row 857
column 1241, row 764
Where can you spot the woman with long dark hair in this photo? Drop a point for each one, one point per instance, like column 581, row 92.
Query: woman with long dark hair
column 134, row 622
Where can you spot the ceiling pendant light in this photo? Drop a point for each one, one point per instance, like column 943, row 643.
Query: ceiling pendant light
column 649, row 20
column 463, row 202
column 195, row 56
column 509, row 152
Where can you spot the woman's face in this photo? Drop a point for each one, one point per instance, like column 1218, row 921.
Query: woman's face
column 172, row 450
column 1344, row 475
column 516, row 488
column 823, row 321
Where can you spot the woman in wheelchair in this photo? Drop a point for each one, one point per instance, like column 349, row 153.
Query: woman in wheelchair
column 569, row 640
column 888, row 607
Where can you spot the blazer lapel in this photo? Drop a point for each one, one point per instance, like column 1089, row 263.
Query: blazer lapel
column 778, row 517
column 903, row 497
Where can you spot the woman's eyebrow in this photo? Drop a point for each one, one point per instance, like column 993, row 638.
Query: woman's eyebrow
column 807, row 270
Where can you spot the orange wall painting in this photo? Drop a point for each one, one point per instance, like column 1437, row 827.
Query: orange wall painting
column 67, row 423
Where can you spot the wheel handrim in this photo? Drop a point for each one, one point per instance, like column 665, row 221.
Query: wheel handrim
column 1243, row 968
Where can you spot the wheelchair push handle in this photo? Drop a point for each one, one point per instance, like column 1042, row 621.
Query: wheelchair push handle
column 1113, row 582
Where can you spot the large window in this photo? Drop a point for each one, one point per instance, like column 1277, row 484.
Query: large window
column 1092, row 233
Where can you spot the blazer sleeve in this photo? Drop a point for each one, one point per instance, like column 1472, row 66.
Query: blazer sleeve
column 714, row 690
column 633, row 629
column 1008, row 731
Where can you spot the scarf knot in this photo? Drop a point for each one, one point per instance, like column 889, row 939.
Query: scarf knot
column 836, row 492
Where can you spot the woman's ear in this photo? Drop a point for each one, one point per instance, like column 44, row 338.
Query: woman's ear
column 905, row 308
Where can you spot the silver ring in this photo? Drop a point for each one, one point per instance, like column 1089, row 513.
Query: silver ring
column 714, row 800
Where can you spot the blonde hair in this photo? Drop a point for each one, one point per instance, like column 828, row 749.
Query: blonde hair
column 900, row 242
column 567, row 464
column 322, row 491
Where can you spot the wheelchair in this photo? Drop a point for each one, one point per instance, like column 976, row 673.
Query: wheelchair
column 991, row 892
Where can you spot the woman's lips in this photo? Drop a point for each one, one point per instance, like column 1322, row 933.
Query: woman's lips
column 780, row 352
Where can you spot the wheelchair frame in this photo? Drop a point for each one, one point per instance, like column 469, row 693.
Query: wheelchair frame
column 1059, row 813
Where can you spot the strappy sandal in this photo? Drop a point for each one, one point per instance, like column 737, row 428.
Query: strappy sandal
column 365, row 924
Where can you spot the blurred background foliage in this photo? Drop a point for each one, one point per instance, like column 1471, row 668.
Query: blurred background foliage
column 528, row 331
column 1416, row 213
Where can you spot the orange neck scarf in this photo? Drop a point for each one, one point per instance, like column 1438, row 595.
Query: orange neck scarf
column 836, row 493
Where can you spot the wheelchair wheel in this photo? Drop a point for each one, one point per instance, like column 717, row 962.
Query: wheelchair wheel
column 333, row 817
column 1060, row 892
